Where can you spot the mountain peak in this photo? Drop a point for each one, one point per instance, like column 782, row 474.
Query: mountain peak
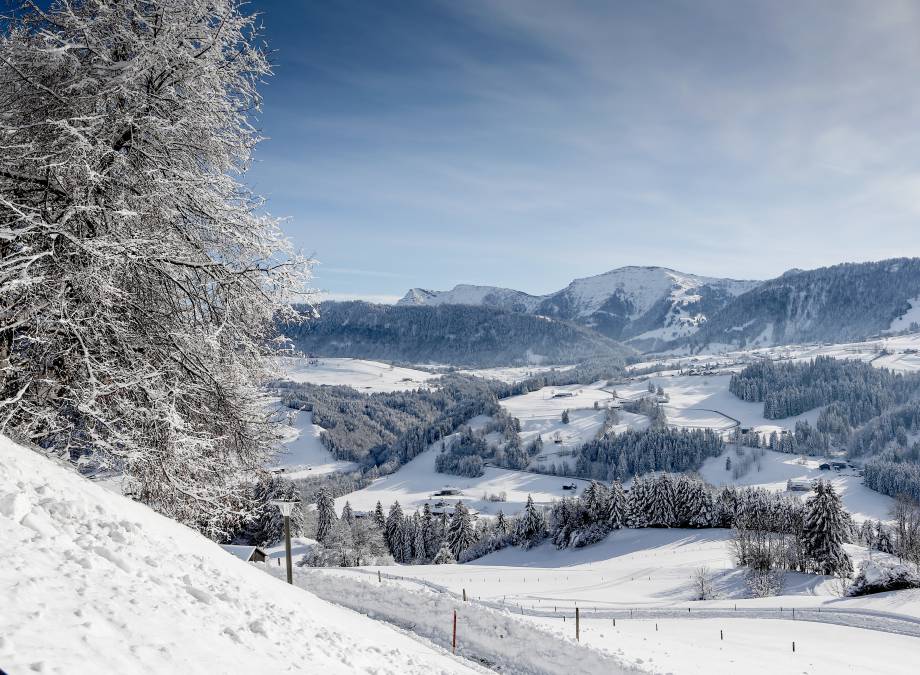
column 631, row 302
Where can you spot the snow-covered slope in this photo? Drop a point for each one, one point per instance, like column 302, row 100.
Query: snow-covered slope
column 92, row 582
column 647, row 305
column 832, row 304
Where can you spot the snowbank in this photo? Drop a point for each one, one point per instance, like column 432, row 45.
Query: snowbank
column 92, row 582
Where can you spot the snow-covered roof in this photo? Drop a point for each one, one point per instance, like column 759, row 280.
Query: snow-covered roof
column 244, row 553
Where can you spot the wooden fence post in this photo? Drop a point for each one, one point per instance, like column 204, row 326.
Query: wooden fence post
column 464, row 595
column 577, row 625
column 453, row 645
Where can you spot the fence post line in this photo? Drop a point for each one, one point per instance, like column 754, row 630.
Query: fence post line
column 453, row 645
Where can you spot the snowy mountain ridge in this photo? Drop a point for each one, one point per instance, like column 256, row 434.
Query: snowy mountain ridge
column 643, row 305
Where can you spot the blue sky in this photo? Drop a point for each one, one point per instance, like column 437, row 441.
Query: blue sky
column 524, row 143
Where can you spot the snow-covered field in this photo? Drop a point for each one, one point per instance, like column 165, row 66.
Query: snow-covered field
column 773, row 469
column 540, row 413
column 513, row 374
column 902, row 354
column 366, row 376
column 303, row 453
column 651, row 571
column 726, row 646
column 416, row 482
column 92, row 582
column 695, row 397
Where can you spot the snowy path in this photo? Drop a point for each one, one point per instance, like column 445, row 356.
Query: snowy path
column 487, row 635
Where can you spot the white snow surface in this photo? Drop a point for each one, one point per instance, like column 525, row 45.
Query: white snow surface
column 303, row 453
column 507, row 642
column 92, row 582
column 773, row 469
column 366, row 376
column 651, row 570
column 904, row 321
column 416, row 482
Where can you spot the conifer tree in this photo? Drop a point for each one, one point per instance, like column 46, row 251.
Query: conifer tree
column 501, row 523
column 379, row 519
column 420, row 544
column 444, row 556
column 824, row 533
column 617, row 514
column 660, row 510
column 348, row 516
column 532, row 527
column 325, row 515
column 407, row 536
column 393, row 531
column 461, row 534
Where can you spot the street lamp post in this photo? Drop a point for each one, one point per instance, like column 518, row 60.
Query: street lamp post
column 287, row 507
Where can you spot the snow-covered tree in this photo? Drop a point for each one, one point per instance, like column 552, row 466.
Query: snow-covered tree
column 595, row 502
column 325, row 515
column 444, row 556
column 501, row 522
column 617, row 513
column 407, row 540
column 460, row 534
column 532, row 525
column 393, row 531
column 565, row 416
column 379, row 519
column 419, row 545
column 825, row 532
column 139, row 278
column 348, row 515
column 660, row 511
column 267, row 524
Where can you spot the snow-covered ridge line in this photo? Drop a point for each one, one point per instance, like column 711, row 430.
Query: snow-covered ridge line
column 651, row 304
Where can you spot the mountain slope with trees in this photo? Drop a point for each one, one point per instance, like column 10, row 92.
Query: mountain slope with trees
column 645, row 305
column 844, row 302
column 452, row 334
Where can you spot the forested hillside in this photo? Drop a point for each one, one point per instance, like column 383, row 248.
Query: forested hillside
column 452, row 334
column 839, row 303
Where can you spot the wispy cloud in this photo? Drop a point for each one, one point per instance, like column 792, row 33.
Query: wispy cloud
column 527, row 142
